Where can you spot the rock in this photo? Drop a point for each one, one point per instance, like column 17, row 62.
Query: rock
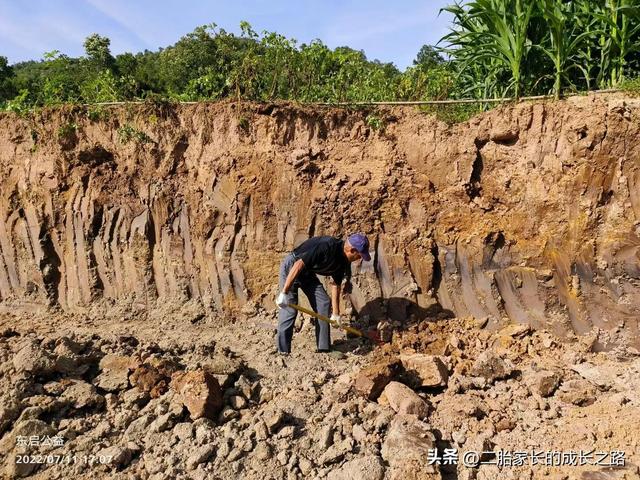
column 114, row 375
column 82, row 394
column 224, row 365
column 406, row 449
column 359, row 433
column 369, row 467
column 403, row 400
column 426, row 370
column 336, row 452
column 200, row 455
column 370, row 381
column 325, row 436
column 150, row 379
column 578, row 392
column 262, row 432
column 545, row 382
column 305, row 466
column 183, row 430
column 34, row 359
column 14, row 469
column 263, row 451
column 283, row 457
column 228, row 413
column 490, row 366
column 200, row 392
column 135, row 397
column 598, row 375
column 163, row 422
column 515, row 330
column 274, row 421
column 237, row 402
column 9, row 411
column 31, row 428
column 120, row 456
column 287, row 431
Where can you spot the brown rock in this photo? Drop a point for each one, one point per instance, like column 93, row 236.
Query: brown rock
column 404, row 400
column 545, row 383
column 114, row 373
column 490, row 366
column 371, row 381
column 34, row 359
column 150, row 380
column 368, row 467
column 578, row 392
column 200, row 392
column 426, row 370
column 406, row 449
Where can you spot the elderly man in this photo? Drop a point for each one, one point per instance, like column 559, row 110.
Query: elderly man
column 327, row 256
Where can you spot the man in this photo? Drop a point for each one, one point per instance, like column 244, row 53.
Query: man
column 327, row 256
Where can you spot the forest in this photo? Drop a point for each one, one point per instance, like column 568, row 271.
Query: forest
column 495, row 49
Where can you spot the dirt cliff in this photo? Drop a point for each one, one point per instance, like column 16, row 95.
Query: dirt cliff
column 526, row 214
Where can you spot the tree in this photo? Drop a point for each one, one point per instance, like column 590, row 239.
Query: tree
column 97, row 50
column 7, row 89
column 428, row 57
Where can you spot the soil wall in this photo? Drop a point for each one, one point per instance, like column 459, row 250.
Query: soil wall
column 526, row 214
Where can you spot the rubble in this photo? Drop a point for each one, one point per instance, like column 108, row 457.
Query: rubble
column 200, row 392
column 322, row 417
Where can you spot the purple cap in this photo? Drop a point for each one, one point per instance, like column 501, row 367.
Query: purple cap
column 360, row 242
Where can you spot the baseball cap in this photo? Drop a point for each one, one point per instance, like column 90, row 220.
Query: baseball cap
column 360, row 242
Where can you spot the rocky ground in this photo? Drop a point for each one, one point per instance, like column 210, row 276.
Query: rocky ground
column 141, row 398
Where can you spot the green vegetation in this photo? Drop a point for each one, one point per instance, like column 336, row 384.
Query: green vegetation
column 128, row 133
column 496, row 48
column 530, row 47
column 375, row 122
column 67, row 130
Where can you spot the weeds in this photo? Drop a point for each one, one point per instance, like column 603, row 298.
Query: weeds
column 67, row 130
column 243, row 124
column 375, row 122
column 631, row 86
column 97, row 113
column 128, row 133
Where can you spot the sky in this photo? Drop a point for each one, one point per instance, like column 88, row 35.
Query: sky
column 386, row 30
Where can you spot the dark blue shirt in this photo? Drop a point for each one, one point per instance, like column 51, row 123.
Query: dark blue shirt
column 324, row 256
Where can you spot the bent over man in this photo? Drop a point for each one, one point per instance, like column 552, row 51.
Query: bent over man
column 324, row 255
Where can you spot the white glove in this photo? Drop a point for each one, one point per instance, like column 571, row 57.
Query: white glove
column 336, row 318
column 283, row 300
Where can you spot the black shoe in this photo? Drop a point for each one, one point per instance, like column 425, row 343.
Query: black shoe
column 322, row 350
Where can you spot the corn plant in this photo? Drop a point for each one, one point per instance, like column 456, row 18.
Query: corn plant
column 487, row 30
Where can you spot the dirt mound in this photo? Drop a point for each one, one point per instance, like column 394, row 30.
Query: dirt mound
column 527, row 214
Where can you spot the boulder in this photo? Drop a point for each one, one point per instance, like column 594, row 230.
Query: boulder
column 153, row 376
column 491, row 366
column 81, row 394
column 114, row 375
column 200, row 392
column 406, row 449
column 370, row 381
column 119, row 456
column 200, row 455
column 369, row 467
column 545, row 382
column 34, row 359
column 425, row 370
column 403, row 400
column 578, row 392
